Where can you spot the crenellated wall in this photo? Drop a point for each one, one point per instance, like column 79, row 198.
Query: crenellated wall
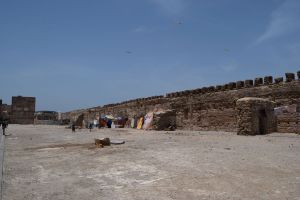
column 213, row 107
column 131, row 108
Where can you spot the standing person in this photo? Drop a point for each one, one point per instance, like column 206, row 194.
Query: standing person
column 4, row 126
column 73, row 127
column 90, row 126
column 99, row 123
column 109, row 122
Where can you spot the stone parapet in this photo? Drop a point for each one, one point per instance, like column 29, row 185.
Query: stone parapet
column 248, row 83
column 289, row 77
column 258, row 81
column 278, row 80
column 268, row 80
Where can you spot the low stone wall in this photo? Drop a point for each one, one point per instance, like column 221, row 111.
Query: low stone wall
column 288, row 118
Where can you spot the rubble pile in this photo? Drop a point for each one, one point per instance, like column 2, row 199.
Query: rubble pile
column 164, row 120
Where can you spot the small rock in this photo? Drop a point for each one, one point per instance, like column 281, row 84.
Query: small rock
column 103, row 142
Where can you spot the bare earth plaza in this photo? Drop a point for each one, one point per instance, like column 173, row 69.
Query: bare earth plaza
column 150, row 165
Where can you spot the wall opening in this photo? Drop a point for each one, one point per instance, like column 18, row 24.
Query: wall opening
column 262, row 117
column 186, row 113
column 255, row 116
column 79, row 120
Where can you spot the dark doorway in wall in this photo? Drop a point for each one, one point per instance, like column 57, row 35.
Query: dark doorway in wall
column 186, row 113
column 262, row 120
column 79, row 120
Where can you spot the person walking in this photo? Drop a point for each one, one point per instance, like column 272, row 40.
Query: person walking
column 4, row 126
column 90, row 126
column 73, row 128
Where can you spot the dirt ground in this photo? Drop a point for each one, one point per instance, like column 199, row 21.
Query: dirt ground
column 51, row 162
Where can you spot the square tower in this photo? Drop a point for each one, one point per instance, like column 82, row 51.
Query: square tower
column 22, row 110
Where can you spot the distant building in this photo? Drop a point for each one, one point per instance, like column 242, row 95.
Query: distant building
column 22, row 110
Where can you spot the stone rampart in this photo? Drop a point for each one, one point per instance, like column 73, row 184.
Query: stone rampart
column 212, row 107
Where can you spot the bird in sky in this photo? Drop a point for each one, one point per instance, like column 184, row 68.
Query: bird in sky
column 226, row 50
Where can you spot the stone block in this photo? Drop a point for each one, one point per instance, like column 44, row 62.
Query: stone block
column 289, row 77
column 199, row 90
column 258, row 81
column 186, row 92
column 298, row 74
column 204, row 90
column 218, row 87
column 268, row 80
column 278, row 80
column 231, row 85
column 226, row 86
column 193, row 92
column 249, row 83
column 239, row 84
column 211, row 89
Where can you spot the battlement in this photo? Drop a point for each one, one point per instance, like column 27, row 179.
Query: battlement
column 248, row 83
column 256, row 82
column 134, row 101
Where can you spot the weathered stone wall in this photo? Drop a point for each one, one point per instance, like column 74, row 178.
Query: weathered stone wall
column 137, row 107
column 255, row 116
column 22, row 110
column 46, row 118
column 46, row 115
column 164, row 120
column 289, row 119
column 216, row 110
column 211, row 108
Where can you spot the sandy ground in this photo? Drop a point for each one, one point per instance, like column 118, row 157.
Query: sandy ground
column 50, row 162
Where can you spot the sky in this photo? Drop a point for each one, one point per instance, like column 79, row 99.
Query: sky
column 73, row 54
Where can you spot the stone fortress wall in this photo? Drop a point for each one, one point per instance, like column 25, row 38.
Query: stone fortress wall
column 214, row 107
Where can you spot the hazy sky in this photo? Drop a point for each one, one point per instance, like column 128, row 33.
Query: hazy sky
column 81, row 53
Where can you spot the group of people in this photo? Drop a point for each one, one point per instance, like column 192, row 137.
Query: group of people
column 101, row 123
column 73, row 127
